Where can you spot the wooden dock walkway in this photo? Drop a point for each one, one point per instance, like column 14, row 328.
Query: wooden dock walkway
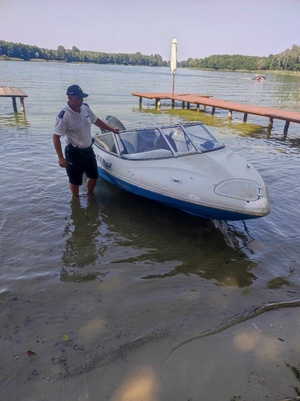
column 207, row 100
column 9, row 91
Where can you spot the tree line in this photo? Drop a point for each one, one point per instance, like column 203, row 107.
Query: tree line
column 288, row 60
column 74, row 55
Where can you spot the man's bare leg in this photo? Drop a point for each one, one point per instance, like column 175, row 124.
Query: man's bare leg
column 90, row 185
column 75, row 190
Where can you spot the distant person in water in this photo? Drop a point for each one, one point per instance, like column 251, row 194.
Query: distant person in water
column 259, row 78
column 74, row 123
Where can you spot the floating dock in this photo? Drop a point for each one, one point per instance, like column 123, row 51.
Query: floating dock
column 206, row 100
column 9, row 91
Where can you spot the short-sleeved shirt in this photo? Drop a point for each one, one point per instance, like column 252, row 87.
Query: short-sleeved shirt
column 75, row 126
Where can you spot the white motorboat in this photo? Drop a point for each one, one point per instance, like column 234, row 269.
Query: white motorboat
column 184, row 166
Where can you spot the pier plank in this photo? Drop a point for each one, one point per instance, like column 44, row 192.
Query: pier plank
column 9, row 91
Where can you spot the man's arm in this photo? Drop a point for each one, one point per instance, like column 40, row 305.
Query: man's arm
column 101, row 124
column 57, row 146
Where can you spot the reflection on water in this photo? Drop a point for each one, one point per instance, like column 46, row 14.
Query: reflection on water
column 13, row 120
column 81, row 245
column 292, row 143
column 159, row 241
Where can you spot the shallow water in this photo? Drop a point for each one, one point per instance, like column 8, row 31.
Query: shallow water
column 98, row 278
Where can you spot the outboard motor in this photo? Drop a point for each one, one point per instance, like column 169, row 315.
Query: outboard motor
column 114, row 123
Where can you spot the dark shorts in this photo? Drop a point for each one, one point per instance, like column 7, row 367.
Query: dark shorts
column 80, row 161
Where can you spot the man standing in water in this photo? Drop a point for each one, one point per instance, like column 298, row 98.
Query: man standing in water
column 74, row 123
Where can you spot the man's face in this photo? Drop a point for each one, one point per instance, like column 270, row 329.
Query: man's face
column 75, row 102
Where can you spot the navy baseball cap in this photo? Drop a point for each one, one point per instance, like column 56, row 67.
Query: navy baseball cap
column 75, row 90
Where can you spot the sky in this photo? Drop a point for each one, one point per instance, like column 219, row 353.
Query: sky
column 201, row 27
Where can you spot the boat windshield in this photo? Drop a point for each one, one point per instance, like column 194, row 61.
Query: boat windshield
column 161, row 142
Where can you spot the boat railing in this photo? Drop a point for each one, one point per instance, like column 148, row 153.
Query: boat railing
column 178, row 140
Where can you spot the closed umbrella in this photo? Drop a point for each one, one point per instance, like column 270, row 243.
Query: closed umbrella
column 173, row 61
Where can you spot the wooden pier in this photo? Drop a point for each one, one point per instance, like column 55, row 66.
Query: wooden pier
column 8, row 91
column 207, row 100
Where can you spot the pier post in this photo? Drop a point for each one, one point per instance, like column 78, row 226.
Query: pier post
column 245, row 117
column 286, row 128
column 22, row 104
column 140, row 102
column 173, row 103
column 213, row 110
column 270, row 125
column 183, row 105
column 14, row 104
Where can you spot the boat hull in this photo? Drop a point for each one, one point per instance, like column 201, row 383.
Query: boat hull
column 187, row 189
column 199, row 210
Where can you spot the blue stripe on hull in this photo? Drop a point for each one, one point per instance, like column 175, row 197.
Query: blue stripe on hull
column 197, row 210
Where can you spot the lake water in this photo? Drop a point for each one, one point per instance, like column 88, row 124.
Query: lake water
column 85, row 284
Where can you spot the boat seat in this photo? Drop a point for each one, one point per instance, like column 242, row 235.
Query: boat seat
column 160, row 143
column 207, row 145
column 131, row 137
column 146, row 140
column 105, row 141
column 102, row 144
column 126, row 147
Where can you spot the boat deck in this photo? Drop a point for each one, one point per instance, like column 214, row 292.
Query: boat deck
column 207, row 100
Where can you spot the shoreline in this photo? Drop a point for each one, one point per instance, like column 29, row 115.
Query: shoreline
column 282, row 72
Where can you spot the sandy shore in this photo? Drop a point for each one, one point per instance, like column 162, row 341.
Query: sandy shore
column 258, row 359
